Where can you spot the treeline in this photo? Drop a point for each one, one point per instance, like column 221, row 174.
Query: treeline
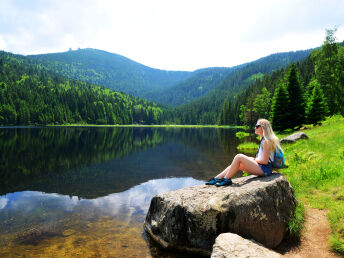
column 305, row 92
column 206, row 109
column 31, row 95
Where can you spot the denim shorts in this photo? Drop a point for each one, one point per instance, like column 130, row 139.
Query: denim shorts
column 267, row 169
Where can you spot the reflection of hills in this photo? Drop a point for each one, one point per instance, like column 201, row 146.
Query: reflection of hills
column 30, row 155
column 93, row 162
column 121, row 174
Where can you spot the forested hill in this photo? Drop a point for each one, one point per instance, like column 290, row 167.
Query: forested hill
column 110, row 70
column 31, row 95
column 194, row 87
column 205, row 110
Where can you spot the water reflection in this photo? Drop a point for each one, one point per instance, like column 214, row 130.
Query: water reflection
column 93, row 162
column 86, row 191
column 61, row 216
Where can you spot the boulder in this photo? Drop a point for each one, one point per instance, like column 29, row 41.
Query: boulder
column 190, row 219
column 233, row 245
column 294, row 137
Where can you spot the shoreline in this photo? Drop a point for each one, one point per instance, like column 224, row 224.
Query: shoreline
column 131, row 125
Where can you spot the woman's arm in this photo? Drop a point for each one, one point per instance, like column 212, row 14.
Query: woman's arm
column 266, row 153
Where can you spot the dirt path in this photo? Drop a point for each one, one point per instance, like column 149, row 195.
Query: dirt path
column 314, row 239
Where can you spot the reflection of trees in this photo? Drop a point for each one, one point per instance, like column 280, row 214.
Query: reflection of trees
column 30, row 154
column 92, row 162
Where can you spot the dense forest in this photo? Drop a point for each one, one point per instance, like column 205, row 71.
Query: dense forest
column 110, row 70
column 302, row 87
column 31, row 95
column 206, row 109
column 305, row 92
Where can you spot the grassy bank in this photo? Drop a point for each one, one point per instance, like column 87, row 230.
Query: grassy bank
column 316, row 172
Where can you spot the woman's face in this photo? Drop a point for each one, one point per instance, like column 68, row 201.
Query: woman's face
column 258, row 129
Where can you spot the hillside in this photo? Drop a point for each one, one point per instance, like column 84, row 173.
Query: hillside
column 31, row 95
column 172, row 88
column 206, row 109
column 194, row 87
column 110, row 70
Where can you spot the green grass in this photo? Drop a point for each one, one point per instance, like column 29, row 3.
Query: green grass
column 241, row 134
column 316, row 172
column 248, row 146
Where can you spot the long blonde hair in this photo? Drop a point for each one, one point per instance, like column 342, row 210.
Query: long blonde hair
column 268, row 133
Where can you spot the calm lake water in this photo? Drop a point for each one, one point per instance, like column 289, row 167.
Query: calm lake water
column 84, row 192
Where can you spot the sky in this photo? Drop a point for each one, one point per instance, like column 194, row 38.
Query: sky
column 170, row 34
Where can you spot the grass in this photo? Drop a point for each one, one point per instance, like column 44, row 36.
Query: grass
column 248, row 146
column 241, row 134
column 316, row 172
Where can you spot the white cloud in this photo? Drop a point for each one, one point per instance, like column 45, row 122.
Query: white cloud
column 3, row 202
column 183, row 35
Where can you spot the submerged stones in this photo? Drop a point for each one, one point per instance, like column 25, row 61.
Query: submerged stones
column 190, row 219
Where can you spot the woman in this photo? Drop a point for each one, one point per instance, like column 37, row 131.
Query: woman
column 261, row 165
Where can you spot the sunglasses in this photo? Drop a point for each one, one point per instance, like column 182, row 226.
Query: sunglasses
column 257, row 126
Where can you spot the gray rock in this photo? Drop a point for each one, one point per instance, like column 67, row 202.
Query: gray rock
column 233, row 245
column 190, row 219
column 294, row 137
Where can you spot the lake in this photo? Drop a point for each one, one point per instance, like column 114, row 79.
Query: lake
column 85, row 191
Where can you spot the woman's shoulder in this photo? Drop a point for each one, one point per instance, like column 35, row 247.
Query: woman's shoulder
column 268, row 144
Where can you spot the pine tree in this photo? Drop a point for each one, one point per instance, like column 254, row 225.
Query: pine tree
column 296, row 101
column 317, row 107
column 280, row 108
column 327, row 71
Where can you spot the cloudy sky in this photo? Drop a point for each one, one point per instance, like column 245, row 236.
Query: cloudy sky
column 170, row 34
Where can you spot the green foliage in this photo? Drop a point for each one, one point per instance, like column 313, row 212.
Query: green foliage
column 30, row 95
column 295, row 223
column 329, row 63
column 262, row 104
column 296, row 101
column 207, row 109
column 280, row 109
column 316, row 173
column 241, row 134
column 247, row 146
column 109, row 70
column 317, row 107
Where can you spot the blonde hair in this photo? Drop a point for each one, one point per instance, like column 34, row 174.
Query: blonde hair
column 268, row 133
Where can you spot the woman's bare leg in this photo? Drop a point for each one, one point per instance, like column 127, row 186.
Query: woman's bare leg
column 241, row 162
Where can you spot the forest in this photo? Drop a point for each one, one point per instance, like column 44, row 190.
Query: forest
column 304, row 93
column 30, row 95
column 290, row 89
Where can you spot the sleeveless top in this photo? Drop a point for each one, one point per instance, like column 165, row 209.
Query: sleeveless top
column 260, row 152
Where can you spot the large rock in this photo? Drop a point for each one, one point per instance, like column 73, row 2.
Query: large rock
column 233, row 245
column 294, row 137
column 190, row 219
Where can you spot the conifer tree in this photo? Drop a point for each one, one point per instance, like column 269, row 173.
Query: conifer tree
column 296, row 101
column 280, row 109
column 328, row 69
column 317, row 108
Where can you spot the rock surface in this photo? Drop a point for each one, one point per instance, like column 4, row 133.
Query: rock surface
column 233, row 245
column 190, row 219
column 294, row 137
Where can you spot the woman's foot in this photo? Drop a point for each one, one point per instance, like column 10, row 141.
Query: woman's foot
column 213, row 181
column 224, row 182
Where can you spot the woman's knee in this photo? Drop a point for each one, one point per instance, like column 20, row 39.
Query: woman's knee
column 239, row 157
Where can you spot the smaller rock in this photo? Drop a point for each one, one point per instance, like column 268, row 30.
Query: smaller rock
column 294, row 137
column 233, row 245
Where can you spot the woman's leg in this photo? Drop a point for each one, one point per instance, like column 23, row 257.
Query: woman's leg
column 241, row 162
